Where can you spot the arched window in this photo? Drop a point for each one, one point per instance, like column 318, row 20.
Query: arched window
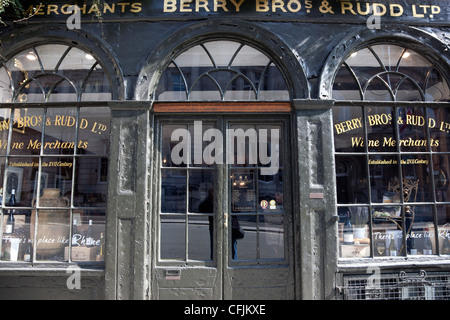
column 222, row 70
column 53, row 157
column 53, row 73
column 392, row 149
column 387, row 72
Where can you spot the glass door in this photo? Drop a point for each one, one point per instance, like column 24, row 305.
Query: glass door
column 224, row 229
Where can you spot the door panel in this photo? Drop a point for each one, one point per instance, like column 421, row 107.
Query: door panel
column 224, row 226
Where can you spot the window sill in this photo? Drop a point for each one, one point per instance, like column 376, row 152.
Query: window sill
column 52, row 269
column 362, row 265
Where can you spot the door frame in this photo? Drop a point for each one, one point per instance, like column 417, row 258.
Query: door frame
column 168, row 273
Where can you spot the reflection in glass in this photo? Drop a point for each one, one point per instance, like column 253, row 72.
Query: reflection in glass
column 90, row 190
column 200, row 237
column 60, row 130
column 52, row 73
column 421, row 238
column 93, row 131
column 173, row 191
column 243, row 248
column 271, row 236
column 443, row 221
column 88, row 229
column 351, row 179
column 173, row 237
column 201, row 189
column 52, row 234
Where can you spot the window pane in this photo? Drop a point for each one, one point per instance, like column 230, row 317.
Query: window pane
column 26, row 137
column 52, row 233
column 243, row 248
column 412, row 129
column 351, row 178
column 383, row 170
column 417, row 181
column 90, row 189
column 173, row 191
column 354, row 232
column 173, row 237
column 200, row 238
column 422, row 238
column 88, row 236
column 60, row 130
column 271, row 236
column 439, row 124
column 201, row 191
column 441, row 168
column 380, row 129
column 348, row 129
column 21, row 175
column 16, row 242
column 443, row 214
column 181, row 140
column 4, row 129
column 93, row 131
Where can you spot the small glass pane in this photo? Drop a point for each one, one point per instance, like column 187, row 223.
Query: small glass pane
column 351, row 179
column 270, row 193
column 21, row 175
column 422, row 238
column 439, row 125
column 412, row 129
column 348, row 129
column 387, row 232
column 271, row 236
column 56, row 176
column 380, row 131
column 6, row 92
column 93, row 131
column 173, row 191
column 383, row 174
column 5, row 122
column 53, row 227
column 16, row 242
column 417, row 180
column 88, row 236
column 90, row 187
column 443, row 220
column 26, row 138
column 60, row 130
column 175, row 146
column 173, row 237
column 200, row 238
column 243, row 246
column 201, row 191
column 354, row 232
column 441, row 177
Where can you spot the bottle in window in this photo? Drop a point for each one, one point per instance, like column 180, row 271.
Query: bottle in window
column 89, row 237
column 393, row 250
column 446, row 244
column 412, row 245
column 74, row 233
column 427, row 247
column 348, row 230
column 28, row 253
column 10, row 221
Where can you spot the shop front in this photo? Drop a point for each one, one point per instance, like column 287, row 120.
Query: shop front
column 225, row 150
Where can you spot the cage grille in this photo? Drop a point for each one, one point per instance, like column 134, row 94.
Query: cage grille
column 402, row 286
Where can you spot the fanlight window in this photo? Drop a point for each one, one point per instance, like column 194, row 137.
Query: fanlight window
column 222, row 70
column 53, row 73
column 387, row 72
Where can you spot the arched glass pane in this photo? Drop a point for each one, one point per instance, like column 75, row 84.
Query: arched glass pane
column 53, row 72
column 386, row 72
column 222, row 70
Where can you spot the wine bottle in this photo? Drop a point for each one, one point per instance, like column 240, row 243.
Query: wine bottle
column 348, row 231
column 28, row 253
column 393, row 251
column 412, row 249
column 10, row 221
column 446, row 244
column 74, row 233
column 89, row 237
column 427, row 247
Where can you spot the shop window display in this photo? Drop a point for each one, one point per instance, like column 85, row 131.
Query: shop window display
column 53, row 160
column 392, row 158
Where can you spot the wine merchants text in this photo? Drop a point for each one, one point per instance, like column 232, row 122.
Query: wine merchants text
column 22, row 123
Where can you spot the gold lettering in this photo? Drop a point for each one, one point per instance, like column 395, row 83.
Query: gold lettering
column 136, row 7
column 393, row 12
column 220, row 4
column 262, row 5
column 294, row 5
column 237, row 5
column 123, row 5
column 347, row 6
column 377, row 12
column 111, row 8
column 201, row 4
column 170, row 5
column 184, row 5
column 415, row 14
column 358, row 7
column 278, row 4
column 52, row 8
